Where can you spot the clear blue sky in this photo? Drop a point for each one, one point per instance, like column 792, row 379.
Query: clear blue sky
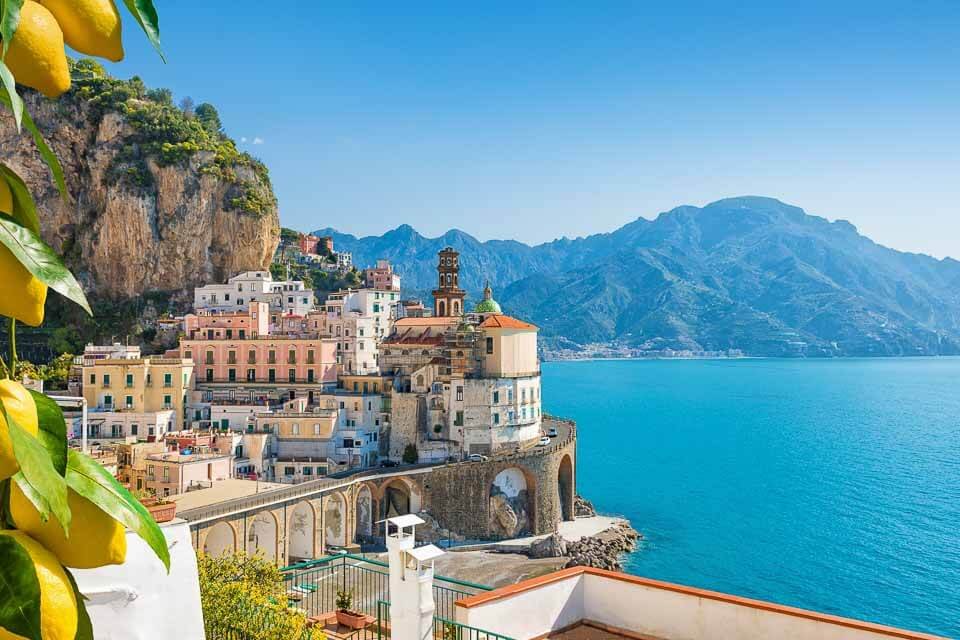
column 533, row 120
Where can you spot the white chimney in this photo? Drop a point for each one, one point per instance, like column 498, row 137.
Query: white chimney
column 411, row 580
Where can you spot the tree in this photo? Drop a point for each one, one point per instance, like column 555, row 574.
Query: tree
column 410, row 455
column 186, row 105
column 209, row 117
column 161, row 96
column 244, row 596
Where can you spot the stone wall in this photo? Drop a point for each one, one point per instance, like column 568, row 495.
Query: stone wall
column 459, row 495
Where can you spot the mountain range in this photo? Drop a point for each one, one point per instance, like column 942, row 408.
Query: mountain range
column 748, row 273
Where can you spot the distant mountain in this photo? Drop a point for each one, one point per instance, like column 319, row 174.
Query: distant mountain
column 744, row 273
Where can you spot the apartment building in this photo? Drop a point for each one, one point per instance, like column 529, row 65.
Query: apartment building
column 139, row 386
column 283, row 296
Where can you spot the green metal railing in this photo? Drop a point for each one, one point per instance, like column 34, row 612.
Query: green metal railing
column 443, row 629
column 313, row 585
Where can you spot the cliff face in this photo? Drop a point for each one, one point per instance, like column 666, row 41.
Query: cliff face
column 136, row 222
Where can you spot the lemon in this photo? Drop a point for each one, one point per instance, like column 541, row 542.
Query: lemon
column 58, row 603
column 20, row 406
column 22, row 296
column 36, row 55
column 89, row 26
column 95, row 538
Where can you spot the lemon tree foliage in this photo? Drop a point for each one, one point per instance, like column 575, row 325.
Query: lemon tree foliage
column 58, row 507
column 245, row 595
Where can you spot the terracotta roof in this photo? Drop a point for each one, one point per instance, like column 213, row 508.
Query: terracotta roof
column 425, row 322
column 500, row 321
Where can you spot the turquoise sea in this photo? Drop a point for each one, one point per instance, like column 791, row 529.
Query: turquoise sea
column 831, row 485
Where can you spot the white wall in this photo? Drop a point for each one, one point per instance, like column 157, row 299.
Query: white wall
column 138, row 599
column 659, row 610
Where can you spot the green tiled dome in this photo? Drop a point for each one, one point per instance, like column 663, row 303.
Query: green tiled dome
column 488, row 304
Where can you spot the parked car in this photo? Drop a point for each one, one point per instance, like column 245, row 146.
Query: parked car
column 389, row 463
column 552, row 432
column 476, row 457
column 544, row 441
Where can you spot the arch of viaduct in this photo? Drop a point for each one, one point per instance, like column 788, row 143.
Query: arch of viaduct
column 303, row 521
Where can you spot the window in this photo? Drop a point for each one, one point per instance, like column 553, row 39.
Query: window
column 458, row 420
column 292, row 375
column 307, row 471
column 166, row 474
column 496, row 397
column 288, row 471
column 292, row 357
column 231, row 355
column 108, row 401
column 251, row 357
column 243, row 333
column 167, row 401
column 272, row 357
column 316, row 429
column 129, row 402
column 230, row 335
column 496, row 418
column 251, row 375
column 232, row 375
column 168, row 379
column 310, row 356
column 150, row 472
column 129, row 379
column 93, row 378
column 309, row 375
column 149, row 379
column 460, row 393
column 106, row 380
column 209, row 375
column 272, row 375
column 296, row 429
column 133, row 429
column 489, row 346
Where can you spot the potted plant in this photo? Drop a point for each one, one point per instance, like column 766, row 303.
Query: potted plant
column 161, row 509
column 346, row 616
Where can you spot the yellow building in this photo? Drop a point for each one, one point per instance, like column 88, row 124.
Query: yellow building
column 141, row 385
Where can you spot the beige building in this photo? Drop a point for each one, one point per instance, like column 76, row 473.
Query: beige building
column 170, row 473
column 141, row 385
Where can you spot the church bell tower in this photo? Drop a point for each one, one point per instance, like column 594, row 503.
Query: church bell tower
column 448, row 296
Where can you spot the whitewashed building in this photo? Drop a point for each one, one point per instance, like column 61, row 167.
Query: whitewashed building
column 283, row 296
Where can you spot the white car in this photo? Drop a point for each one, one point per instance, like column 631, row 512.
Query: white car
column 552, row 432
column 544, row 441
column 476, row 457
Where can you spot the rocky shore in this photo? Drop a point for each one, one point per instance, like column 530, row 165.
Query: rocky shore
column 604, row 550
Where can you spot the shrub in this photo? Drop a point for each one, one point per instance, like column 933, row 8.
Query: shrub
column 410, row 455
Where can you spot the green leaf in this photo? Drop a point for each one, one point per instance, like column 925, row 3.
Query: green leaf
column 9, row 21
column 24, row 210
column 13, row 98
column 84, row 626
column 53, row 430
column 37, row 478
column 89, row 479
column 40, row 260
column 146, row 15
column 19, row 590
column 49, row 157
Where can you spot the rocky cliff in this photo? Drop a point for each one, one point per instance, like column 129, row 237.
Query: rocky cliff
column 160, row 200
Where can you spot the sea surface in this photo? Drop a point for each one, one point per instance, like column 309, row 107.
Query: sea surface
column 831, row 485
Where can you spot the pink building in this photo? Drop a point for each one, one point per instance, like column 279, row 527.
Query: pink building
column 381, row 277
column 265, row 359
column 313, row 244
column 253, row 322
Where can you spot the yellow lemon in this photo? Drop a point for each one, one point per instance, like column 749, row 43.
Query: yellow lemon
column 22, row 296
column 58, row 603
column 20, row 406
column 36, row 55
column 95, row 538
column 89, row 26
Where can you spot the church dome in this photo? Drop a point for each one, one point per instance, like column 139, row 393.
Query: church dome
column 488, row 304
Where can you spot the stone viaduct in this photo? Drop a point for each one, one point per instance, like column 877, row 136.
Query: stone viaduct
column 522, row 493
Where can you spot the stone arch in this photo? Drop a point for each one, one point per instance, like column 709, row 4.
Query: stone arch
column 220, row 539
column 565, row 488
column 442, row 307
column 302, row 532
column 512, row 503
column 364, row 512
column 399, row 497
column 335, row 520
column 456, row 308
column 263, row 533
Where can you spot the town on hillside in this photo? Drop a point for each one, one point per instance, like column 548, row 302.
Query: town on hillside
column 268, row 386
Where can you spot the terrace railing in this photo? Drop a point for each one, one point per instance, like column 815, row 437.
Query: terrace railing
column 313, row 585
